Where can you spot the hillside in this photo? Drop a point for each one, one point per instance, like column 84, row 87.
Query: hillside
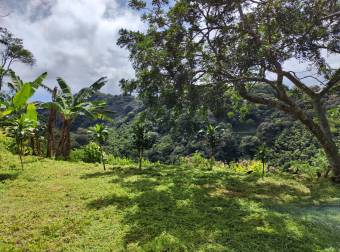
column 62, row 206
column 174, row 135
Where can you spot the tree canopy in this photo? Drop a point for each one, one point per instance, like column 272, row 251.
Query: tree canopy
column 195, row 50
column 12, row 50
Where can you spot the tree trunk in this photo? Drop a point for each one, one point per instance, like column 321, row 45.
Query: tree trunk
column 326, row 139
column 212, row 158
column 50, row 128
column 64, row 146
column 320, row 130
column 38, row 144
column 332, row 154
column 1, row 80
column 263, row 168
column 67, row 148
column 322, row 133
column 140, row 158
column 33, row 146
column 102, row 156
column 20, row 152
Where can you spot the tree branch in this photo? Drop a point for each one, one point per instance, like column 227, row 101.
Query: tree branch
column 299, row 84
column 260, row 99
column 335, row 14
column 331, row 83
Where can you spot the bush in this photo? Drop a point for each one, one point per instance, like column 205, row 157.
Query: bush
column 89, row 153
column 196, row 160
column 5, row 142
column 249, row 145
column 245, row 166
column 121, row 161
column 317, row 163
column 294, row 146
column 77, row 155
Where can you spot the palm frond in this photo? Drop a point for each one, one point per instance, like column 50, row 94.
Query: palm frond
column 86, row 93
column 62, row 103
column 16, row 83
column 38, row 81
column 57, row 105
column 66, row 91
column 47, row 88
column 85, row 111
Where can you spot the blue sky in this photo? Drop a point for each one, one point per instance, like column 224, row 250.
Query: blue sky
column 75, row 40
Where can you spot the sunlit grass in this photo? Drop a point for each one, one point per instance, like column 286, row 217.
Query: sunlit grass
column 61, row 206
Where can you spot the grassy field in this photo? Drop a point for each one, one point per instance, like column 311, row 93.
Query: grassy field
column 61, row 206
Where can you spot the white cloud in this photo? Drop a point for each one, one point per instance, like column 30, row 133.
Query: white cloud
column 73, row 39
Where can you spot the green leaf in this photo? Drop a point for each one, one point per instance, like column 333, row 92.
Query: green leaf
column 22, row 96
column 86, row 93
column 66, row 90
column 38, row 81
column 16, row 83
column 32, row 114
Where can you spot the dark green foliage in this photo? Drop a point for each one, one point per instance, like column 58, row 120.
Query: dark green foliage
column 262, row 154
column 141, row 138
column 211, row 134
column 249, row 146
column 294, row 144
column 175, row 135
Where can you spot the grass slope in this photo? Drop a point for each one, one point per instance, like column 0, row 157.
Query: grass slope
column 61, row 206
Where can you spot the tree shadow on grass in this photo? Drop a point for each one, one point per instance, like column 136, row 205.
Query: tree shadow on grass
column 8, row 176
column 97, row 174
column 184, row 205
column 122, row 171
column 122, row 201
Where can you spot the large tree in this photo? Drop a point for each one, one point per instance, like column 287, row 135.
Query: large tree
column 12, row 50
column 195, row 48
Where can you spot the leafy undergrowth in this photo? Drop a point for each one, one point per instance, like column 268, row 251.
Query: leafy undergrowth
column 61, row 206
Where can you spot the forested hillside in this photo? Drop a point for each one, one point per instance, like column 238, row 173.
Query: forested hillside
column 241, row 132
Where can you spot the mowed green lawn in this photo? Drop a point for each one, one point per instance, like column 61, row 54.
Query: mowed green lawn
column 61, row 206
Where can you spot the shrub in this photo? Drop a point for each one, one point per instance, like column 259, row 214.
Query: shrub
column 89, row 153
column 121, row 161
column 7, row 143
column 317, row 163
column 196, row 160
column 77, row 155
column 245, row 166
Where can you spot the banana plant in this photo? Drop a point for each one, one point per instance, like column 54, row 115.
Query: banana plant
column 19, row 117
column 22, row 127
column 70, row 106
column 141, row 139
column 100, row 133
column 211, row 134
column 263, row 155
column 23, row 92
